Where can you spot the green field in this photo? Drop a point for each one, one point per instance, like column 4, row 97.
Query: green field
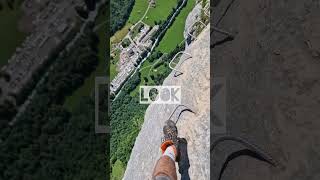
column 119, row 35
column 73, row 101
column 10, row 36
column 174, row 34
column 172, row 38
column 149, row 69
column 160, row 12
column 145, row 71
column 113, row 64
column 136, row 30
column 117, row 170
column 138, row 10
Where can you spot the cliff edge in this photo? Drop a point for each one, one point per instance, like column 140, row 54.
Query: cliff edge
column 195, row 93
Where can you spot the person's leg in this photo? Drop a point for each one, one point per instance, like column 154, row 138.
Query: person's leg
column 165, row 168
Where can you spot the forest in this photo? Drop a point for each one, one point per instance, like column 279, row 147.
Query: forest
column 120, row 11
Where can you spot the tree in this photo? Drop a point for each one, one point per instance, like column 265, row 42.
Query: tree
column 126, row 42
column 120, row 12
column 47, row 124
column 145, row 79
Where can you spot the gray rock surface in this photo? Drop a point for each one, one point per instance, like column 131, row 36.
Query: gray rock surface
column 195, row 92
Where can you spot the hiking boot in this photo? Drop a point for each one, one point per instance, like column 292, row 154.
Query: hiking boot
column 170, row 131
column 170, row 138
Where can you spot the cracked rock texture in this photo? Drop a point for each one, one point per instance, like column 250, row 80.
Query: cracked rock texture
column 195, row 93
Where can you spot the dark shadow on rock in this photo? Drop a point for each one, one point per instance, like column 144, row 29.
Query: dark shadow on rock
column 227, row 39
column 216, row 88
column 215, row 3
column 224, row 12
column 183, row 162
column 177, row 73
column 243, row 152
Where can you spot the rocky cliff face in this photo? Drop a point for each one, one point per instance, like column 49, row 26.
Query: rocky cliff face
column 195, row 93
column 272, row 72
column 191, row 19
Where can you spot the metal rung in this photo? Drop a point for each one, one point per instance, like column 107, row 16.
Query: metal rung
column 181, row 52
column 185, row 108
column 188, row 30
column 205, row 11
